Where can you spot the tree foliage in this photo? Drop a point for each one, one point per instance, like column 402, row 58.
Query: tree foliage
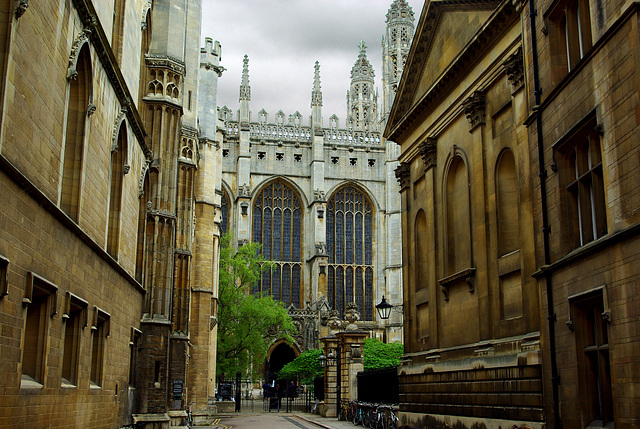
column 247, row 324
column 379, row 355
column 305, row 367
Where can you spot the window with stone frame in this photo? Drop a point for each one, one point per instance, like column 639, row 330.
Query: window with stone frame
column 75, row 320
column 589, row 320
column 224, row 208
column 277, row 225
column 40, row 301
column 77, row 110
column 118, row 161
column 569, row 26
column 350, row 247
column 581, row 173
column 100, row 332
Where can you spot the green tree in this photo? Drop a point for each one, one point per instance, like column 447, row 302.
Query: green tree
column 305, row 367
column 378, row 355
column 247, row 324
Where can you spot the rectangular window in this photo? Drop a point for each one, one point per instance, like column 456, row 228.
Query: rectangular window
column 75, row 320
column 100, row 328
column 570, row 35
column 189, row 101
column 40, row 301
column 4, row 269
column 590, row 322
column 582, row 175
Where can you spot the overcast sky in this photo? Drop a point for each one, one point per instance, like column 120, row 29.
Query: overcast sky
column 284, row 38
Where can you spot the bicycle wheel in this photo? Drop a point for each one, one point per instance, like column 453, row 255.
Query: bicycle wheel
column 392, row 422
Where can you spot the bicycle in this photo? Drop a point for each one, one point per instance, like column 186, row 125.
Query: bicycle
column 392, row 421
column 378, row 419
column 344, row 411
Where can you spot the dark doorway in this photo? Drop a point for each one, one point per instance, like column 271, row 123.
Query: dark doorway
column 280, row 356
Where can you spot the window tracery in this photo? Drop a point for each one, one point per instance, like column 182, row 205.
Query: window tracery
column 277, row 225
column 350, row 248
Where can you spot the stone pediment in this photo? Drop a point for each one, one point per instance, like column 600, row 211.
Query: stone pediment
column 449, row 37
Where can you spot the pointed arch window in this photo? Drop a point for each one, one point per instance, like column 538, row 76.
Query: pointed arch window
column 224, row 208
column 118, row 160
column 277, row 225
column 350, row 247
column 77, row 109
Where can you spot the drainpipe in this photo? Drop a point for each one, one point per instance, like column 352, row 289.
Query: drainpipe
column 542, row 174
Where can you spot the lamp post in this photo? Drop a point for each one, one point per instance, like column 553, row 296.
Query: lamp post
column 384, row 309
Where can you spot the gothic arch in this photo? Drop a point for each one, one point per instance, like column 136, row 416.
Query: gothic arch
column 226, row 209
column 361, row 188
column 288, row 181
column 78, row 109
column 117, row 171
column 278, row 224
column 456, row 194
column 350, row 230
column 506, row 183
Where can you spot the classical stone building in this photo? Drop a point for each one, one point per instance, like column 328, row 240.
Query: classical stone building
column 109, row 217
column 519, row 130
column 471, row 315
column 322, row 198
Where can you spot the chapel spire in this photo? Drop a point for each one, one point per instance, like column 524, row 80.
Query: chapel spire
column 395, row 48
column 245, row 89
column 245, row 92
column 316, row 99
column 362, row 100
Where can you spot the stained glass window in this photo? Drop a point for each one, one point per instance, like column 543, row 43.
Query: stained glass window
column 277, row 225
column 224, row 207
column 350, row 247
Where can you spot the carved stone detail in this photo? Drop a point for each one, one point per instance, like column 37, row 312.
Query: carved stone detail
column 83, row 37
column 319, row 196
column 403, row 174
column 145, row 10
column 429, row 153
column 91, row 109
column 474, row 108
column 321, row 249
column 244, row 191
column 514, row 69
column 116, row 129
column 21, row 8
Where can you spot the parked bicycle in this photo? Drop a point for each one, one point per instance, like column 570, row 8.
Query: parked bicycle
column 344, row 411
column 392, row 420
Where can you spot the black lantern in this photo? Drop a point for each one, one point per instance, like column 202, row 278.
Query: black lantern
column 323, row 360
column 384, row 308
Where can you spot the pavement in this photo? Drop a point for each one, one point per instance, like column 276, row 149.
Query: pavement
column 264, row 419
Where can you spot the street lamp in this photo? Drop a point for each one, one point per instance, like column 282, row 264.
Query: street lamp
column 384, row 309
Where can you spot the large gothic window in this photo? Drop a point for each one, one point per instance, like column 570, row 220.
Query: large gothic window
column 350, row 248
column 277, row 225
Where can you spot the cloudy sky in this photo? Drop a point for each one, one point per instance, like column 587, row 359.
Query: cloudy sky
column 284, row 38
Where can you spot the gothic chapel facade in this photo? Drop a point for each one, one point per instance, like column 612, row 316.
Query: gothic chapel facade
column 331, row 221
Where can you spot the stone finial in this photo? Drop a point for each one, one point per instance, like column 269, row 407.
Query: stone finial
column 403, row 174
column 514, row 69
column 474, row 108
column 245, row 89
column 316, row 93
column 429, row 153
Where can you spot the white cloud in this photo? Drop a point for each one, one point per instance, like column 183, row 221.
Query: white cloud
column 284, row 38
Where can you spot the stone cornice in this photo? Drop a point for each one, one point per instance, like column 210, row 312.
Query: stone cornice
column 405, row 114
column 108, row 60
column 165, row 62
